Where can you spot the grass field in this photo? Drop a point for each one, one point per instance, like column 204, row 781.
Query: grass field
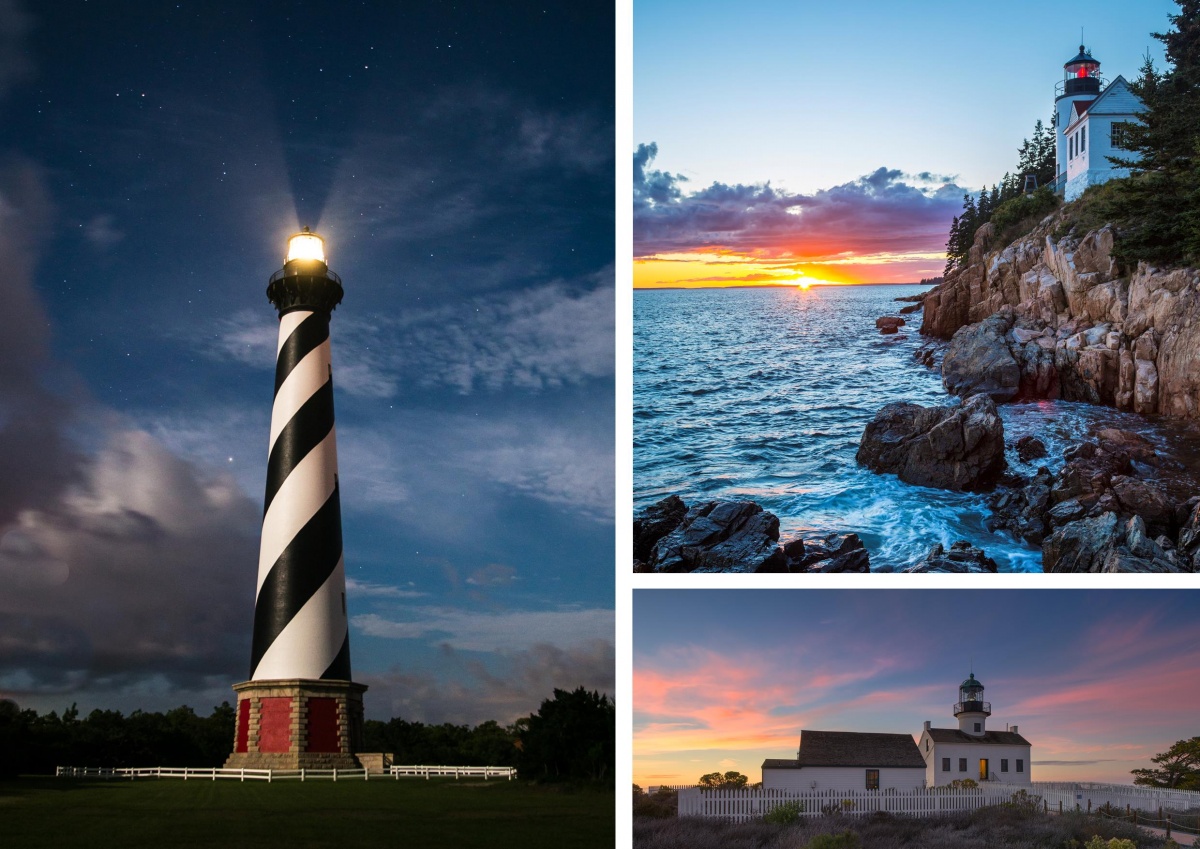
column 44, row 812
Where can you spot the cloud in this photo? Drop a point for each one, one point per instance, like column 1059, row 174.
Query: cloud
column 36, row 459
column 468, row 630
column 144, row 569
column 885, row 211
column 369, row 589
column 466, row 691
column 544, row 337
column 101, row 233
column 15, row 63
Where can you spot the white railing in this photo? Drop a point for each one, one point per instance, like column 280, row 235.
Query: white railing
column 210, row 773
column 746, row 804
column 214, row 773
column 457, row 771
column 1122, row 795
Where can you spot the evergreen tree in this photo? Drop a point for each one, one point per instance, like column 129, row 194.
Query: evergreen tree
column 1158, row 207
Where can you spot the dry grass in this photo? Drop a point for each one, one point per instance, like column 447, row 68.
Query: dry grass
column 988, row 828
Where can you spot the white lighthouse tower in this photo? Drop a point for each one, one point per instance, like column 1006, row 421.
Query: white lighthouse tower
column 971, row 710
column 300, row 709
column 1081, row 81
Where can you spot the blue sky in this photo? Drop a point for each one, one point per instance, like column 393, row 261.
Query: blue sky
column 1098, row 681
column 813, row 95
column 458, row 159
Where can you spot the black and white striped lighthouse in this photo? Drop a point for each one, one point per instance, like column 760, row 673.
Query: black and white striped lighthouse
column 300, row 708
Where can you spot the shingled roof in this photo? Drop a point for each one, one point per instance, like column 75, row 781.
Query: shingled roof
column 852, row 748
column 953, row 735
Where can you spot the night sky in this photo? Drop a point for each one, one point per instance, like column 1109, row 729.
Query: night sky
column 1097, row 681
column 458, row 158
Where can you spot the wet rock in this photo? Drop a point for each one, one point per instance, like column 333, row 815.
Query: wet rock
column 1030, row 448
column 961, row 558
column 832, row 553
column 958, row 448
column 979, row 361
column 889, row 324
column 1106, row 543
column 1021, row 508
column 929, row 355
column 654, row 523
column 911, row 308
column 721, row 536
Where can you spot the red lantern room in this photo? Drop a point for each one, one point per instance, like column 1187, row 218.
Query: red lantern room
column 1082, row 74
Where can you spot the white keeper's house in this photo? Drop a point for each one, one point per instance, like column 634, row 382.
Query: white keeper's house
column 1090, row 122
column 853, row 760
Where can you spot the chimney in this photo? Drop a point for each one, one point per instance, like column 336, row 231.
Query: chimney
column 928, row 723
column 1013, row 729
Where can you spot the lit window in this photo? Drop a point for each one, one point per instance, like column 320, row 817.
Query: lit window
column 872, row 779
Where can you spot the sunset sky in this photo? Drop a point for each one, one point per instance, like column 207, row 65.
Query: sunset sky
column 781, row 143
column 1097, row 681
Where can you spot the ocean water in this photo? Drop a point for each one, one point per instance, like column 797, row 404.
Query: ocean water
column 764, row 395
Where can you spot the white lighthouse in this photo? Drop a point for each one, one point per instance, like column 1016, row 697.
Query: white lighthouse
column 1081, row 82
column 971, row 751
column 1091, row 122
column 300, row 709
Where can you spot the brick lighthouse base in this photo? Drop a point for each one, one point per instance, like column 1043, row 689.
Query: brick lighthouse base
column 297, row 724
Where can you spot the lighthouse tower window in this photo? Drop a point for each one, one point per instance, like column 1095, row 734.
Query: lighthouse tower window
column 978, row 727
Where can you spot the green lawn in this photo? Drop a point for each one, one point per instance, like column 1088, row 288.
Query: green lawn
column 37, row 812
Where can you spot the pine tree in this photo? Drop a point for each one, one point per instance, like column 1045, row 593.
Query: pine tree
column 1158, row 207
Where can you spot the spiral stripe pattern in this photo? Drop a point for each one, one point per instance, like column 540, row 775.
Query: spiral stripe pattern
column 300, row 626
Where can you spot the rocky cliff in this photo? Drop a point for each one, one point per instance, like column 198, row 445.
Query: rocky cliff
column 1053, row 315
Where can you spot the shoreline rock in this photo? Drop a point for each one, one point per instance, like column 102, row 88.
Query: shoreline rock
column 959, row 448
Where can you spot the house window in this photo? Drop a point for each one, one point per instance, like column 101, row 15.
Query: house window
column 945, row 764
column 1120, row 134
column 1083, row 138
column 927, row 745
column 1071, row 146
column 1004, row 764
column 1020, row 765
column 978, row 727
column 872, row 779
column 962, row 764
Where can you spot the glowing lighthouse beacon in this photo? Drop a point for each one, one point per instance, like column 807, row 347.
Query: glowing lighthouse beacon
column 300, row 709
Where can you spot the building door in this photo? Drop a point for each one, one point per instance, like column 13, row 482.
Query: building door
column 983, row 770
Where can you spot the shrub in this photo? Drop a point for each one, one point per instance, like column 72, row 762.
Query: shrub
column 661, row 805
column 845, row 840
column 1098, row 842
column 1020, row 214
column 787, row 813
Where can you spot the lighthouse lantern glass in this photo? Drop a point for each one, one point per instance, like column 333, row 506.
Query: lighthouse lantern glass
column 308, row 246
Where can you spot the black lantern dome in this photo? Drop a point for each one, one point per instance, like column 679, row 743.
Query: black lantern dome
column 970, row 698
column 1082, row 74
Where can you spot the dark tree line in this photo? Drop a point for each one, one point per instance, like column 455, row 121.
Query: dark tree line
column 569, row 738
column 1157, row 209
column 33, row 743
column 1035, row 157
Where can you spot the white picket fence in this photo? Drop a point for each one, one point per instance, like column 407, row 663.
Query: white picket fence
column 457, row 771
column 1122, row 795
column 746, row 804
column 213, row 774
